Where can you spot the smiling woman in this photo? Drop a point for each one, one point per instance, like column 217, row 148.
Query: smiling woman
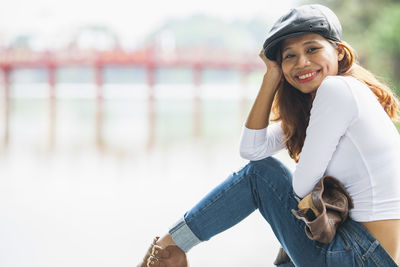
column 335, row 119
column 307, row 59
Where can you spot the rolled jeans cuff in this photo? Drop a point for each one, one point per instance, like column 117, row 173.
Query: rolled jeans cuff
column 183, row 237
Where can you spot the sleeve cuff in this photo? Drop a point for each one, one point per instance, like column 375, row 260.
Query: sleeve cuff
column 252, row 137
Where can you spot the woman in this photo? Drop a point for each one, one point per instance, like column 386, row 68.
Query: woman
column 334, row 118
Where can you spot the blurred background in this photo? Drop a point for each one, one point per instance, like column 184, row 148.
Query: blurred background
column 116, row 117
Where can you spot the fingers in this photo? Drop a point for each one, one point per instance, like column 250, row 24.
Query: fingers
column 261, row 54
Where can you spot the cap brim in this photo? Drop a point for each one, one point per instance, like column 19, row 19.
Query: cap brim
column 270, row 51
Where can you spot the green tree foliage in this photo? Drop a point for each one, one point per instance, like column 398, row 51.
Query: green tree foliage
column 385, row 44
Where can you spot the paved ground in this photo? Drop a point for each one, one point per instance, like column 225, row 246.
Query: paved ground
column 101, row 211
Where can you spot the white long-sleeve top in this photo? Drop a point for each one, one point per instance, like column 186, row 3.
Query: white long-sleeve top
column 349, row 137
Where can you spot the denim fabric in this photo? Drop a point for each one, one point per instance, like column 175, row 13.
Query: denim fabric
column 183, row 236
column 266, row 185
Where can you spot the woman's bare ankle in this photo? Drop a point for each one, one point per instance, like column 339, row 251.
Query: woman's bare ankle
column 165, row 241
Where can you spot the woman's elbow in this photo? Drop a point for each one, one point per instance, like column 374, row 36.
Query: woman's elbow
column 252, row 155
column 245, row 154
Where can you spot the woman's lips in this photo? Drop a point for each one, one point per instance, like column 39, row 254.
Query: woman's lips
column 306, row 77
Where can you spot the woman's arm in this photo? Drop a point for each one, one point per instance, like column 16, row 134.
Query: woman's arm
column 257, row 140
column 334, row 110
column 261, row 109
column 259, row 144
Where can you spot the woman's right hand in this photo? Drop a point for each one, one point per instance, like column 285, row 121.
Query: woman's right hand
column 260, row 112
column 274, row 71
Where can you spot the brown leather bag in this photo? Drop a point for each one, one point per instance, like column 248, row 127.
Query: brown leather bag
column 323, row 210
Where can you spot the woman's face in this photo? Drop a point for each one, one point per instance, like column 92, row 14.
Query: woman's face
column 307, row 59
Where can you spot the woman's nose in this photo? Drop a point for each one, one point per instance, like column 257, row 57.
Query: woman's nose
column 302, row 61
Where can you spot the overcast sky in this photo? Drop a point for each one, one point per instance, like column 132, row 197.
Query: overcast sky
column 128, row 18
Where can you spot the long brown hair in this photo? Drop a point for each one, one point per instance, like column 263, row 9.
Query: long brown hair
column 292, row 107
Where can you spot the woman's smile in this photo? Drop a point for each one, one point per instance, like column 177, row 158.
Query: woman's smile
column 307, row 76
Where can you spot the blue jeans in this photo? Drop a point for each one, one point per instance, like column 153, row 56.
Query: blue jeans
column 266, row 185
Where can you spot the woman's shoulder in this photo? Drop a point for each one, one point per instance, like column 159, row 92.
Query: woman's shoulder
column 341, row 83
column 337, row 88
column 337, row 92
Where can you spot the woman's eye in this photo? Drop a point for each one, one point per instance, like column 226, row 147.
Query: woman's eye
column 288, row 56
column 311, row 49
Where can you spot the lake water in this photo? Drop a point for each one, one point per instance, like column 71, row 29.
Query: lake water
column 87, row 182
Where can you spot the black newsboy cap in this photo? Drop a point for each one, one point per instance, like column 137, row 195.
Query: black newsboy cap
column 304, row 19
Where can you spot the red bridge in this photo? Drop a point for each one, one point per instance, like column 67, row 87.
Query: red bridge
column 195, row 58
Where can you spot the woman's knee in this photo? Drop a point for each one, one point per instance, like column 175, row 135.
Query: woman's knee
column 272, row 187
column 269, row 167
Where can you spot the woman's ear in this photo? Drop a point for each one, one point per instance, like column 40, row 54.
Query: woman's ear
column 341, row 52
